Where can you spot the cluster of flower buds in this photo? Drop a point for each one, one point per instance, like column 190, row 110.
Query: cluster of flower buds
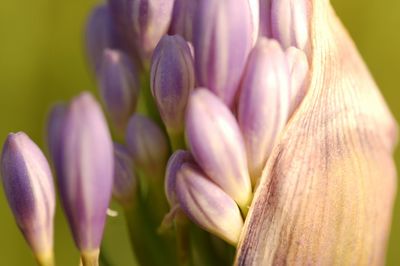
column 228, row 77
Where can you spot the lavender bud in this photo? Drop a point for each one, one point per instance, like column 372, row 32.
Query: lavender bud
column 172, row 80
column 151, row 19
column 182, row 18
column 289, row 22
column 222, row 39
column 125, row 181
column 263, row 102
column 99, row 35
column 217, row 145
column 255, row 19
column 147, row 144
column 298, row 67
column 207, row 204
column 119, row 86
column 175, row 163
column 28, row 185
column 54, row 129
column 265, row 18
column 87, row 166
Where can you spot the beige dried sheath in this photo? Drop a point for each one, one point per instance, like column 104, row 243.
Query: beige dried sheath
column 327, row 191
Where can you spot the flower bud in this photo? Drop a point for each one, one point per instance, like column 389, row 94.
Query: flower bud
column 289, row 22
column 217, row 145
column 172, row 80
column 86, row 174
column 28, row 185
column 182, row 18
column 99, row 35
column 54, row 129
column 255, row 19
column 207, row 204
column 263, row 102
column 265, row 18
column 175, row 163
column 119, row 86
column 125, row 181
column 151, row 19
column 222, row 39
column 147, row 144
column 298, row 67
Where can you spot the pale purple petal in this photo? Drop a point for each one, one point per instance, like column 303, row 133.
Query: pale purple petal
column 263, row 102
column 216, row 143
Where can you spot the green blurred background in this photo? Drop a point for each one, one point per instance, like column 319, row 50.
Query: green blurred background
column 42, row 61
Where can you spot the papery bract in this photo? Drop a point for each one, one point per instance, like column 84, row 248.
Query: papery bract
column 28, row 185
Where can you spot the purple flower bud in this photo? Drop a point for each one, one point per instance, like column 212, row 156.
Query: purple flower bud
column 151, row 19
column 222, row 39
column 99, row 35
column 86, row 174
column 255, row 19
column 298, row 67
column 147, row 144
column 265, row 18
column 54, row 129
column 182, row 18
column 263, row 102
column 207, row 204
column 28, row 185
column 119, row 86
column 172, row 80
column 217, row 145
column 289, row 22
column 125, row 181
column 175, row 163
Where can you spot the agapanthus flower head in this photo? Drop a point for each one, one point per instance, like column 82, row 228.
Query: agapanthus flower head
column 172, row 79
column 28, row 185
column 85, row 174
column 216, row 143
column 119, row 86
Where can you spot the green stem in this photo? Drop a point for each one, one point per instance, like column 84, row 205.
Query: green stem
column 90, row 258
column 177, row 140
column 182, row 239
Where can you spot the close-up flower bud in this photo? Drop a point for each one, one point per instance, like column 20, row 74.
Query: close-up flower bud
column 99, row 35
column 85, row 179
column 264, row 102
column 255, row 22
column 289, row 22
column 182, row 18
column 55, row 122
column 28, row 185
column 222, row 39
column 298, row 68
column 175, row 163
column 125, row 180
column 151, row 19
column 207, row 204
column 172, row 79
column 147, row 144
column 217, row 144
column 119, row 86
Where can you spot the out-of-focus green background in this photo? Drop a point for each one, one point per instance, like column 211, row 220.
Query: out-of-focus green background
column 42, row 61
